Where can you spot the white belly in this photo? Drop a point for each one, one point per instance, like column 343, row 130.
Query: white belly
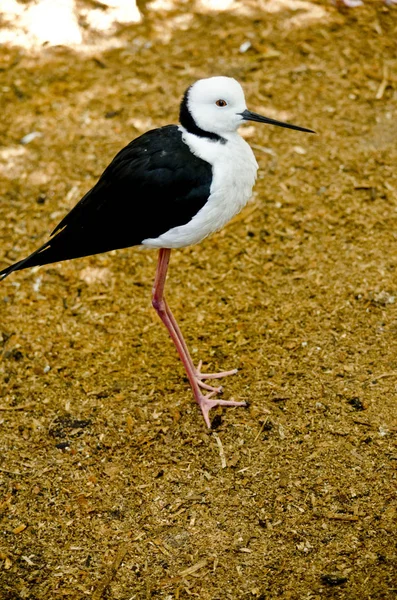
column 233, row 176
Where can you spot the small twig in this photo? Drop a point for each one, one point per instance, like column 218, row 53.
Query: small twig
column 263, row 149
column 261, row 429
column 341, row 517
column 10, row 472
column 383, row 85
column 190, row 570
column 382, row 376
column 20, row 407
column 100, row 590
column 365, row 423
column 221, row 450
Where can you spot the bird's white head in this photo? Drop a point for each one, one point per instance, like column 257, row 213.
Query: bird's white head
column 216, row 106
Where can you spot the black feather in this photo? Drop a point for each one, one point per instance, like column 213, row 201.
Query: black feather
column 153, row 184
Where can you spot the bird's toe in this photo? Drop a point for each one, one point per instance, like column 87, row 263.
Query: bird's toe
column 206, row 403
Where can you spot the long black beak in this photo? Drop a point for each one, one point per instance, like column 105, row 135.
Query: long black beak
column 250, row 116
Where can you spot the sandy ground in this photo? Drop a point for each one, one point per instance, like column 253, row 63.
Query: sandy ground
column 111, row 485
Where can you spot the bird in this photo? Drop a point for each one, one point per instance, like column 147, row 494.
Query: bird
column 169, row 188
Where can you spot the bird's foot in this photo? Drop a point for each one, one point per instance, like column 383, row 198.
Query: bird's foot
column 209, row 388
column 206, row 403
column 199, row 376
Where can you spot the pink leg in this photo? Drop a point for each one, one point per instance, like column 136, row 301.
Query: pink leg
column 199, row 376
column 160, row 305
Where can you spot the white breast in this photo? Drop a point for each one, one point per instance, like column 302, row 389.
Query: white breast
column 233, row 176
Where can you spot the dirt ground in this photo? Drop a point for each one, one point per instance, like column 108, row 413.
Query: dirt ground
column 112, row 487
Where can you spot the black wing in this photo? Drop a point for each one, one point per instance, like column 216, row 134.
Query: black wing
column 153, row 184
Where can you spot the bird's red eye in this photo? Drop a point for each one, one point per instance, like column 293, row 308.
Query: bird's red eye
column 221, row 103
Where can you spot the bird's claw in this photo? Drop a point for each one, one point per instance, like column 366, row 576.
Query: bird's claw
column 200, row 376
column 206, row 403
column 209, row 388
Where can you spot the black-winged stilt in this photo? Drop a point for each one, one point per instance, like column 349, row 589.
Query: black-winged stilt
column 169, row 188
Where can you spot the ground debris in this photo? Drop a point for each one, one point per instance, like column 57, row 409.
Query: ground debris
column 106, row 450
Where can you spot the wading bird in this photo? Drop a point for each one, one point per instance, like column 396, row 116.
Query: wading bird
column 169, row 188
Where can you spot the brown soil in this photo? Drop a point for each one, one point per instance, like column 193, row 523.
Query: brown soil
column 112, row 486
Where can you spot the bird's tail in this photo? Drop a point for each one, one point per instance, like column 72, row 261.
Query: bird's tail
column 39, row 257
column 62, row 246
